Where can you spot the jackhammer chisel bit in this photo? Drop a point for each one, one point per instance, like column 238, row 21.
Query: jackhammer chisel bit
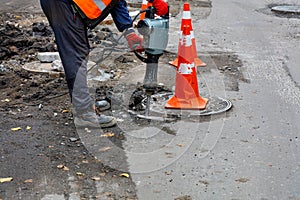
column 150, row 79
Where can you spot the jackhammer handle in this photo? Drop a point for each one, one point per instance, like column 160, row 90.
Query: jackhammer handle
column 139, row 56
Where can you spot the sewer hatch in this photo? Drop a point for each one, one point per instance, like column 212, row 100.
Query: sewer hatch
column 282, row 10
column 215, row 105
column 287, row 9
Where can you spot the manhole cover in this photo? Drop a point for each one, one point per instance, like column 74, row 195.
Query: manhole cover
column 290, row 9
column 38, row 67
column 215, row 105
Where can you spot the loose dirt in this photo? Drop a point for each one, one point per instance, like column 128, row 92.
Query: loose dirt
column 33, row 156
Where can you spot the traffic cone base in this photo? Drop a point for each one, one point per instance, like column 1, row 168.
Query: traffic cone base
column 197, row 61
column 174, row 63
column 197, row 103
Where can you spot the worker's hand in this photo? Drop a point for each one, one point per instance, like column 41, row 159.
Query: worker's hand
column 135, row 42
column 160, row 6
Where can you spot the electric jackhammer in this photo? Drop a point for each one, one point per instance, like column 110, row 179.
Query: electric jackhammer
column 155, row 34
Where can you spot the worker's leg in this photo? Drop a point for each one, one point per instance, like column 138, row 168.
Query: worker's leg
column 71, row 39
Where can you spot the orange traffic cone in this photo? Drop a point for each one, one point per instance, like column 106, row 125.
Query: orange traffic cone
column 145, row 5
column 186, row 88
column 187, row 20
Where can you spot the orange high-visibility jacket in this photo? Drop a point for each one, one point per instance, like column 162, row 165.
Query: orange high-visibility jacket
column 92, row 8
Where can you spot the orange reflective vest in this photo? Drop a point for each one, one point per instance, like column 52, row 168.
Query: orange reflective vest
column 92, row 8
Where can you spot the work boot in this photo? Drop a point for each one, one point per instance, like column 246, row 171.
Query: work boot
column 92, row 120
column 102, row 105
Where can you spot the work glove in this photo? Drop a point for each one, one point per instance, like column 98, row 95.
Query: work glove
column 160, row 6
column 134, row 41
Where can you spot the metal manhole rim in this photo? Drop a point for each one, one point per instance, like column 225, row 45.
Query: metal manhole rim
column 286, row 9
column 169, row 115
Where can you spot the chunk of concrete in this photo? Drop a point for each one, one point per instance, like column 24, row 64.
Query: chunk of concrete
column 48, row 57
column 99, row 76
column 57, row 65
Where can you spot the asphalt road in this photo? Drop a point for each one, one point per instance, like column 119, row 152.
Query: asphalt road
column 253, row 151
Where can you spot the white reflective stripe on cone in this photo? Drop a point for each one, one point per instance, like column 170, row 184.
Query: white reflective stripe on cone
column 186, row 68
column 186, row 15
column 188, row 40
column 192, row 34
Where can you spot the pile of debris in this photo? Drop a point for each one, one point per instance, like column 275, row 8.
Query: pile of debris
column 21, row 43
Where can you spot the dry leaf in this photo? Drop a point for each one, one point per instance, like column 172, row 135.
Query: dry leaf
column 65, row 111
column 85, row 161
column 66, row 168
column 108, row 135
column 242, row 180
column 5, row 100
column 105, row 149
column 79, row 174
column 96, row 178
column 168, row 173
column 124, row 175
column 28, row 128
column 102, row 174
column 28, row 181
column 16, row 129
column 60, row 166
column 185, row 197
column 180, row 145
column 8, row 179
column 204, row 182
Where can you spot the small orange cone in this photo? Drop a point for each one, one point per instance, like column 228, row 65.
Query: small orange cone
column 145, row 5
column 186, row 88
column 187, row 20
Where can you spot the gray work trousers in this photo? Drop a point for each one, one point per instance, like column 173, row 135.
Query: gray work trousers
column 73, row 47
